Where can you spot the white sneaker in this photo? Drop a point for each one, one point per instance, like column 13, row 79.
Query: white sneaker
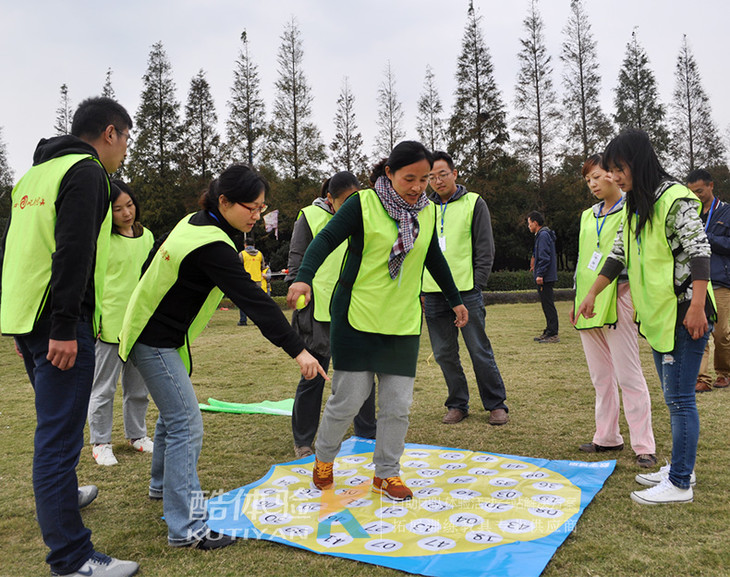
column 104, row 455
column 100, row 565
column 87, row 493
column 662, row 494
column 143, row 445
column 651, row 479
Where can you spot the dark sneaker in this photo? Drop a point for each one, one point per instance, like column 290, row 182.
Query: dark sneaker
column 322, row 475
column 87, row 494
column 549, row 339
column 100, row 565
column 213, row 540
column 593, row 448
column 542, row 336
column 646, row 461
column 303, row 451
column 393, row 488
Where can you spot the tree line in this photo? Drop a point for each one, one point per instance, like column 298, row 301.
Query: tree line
column 531, row 160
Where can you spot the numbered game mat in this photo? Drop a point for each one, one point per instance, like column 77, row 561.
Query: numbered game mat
column 472, row 513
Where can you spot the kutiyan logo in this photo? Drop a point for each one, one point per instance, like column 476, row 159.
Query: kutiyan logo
column 28, row 202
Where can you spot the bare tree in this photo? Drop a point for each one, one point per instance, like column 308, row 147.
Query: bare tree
column 390, row 115
column 246, row 124
column 346, row 146
column 430, row 125
column 587, row 128
column 696, row 140
column 64, row 114
column 535, row 99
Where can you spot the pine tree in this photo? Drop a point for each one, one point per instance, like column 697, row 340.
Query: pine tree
column 346, row 146
column 637, row 102
column 64, row 114
column 536, row 121
column 201, row 141
column 153, row 164
column 390, row 116
column 246, row 124
column 108, row 89
column 430, row 125
column 6, row 182
column 477, row 127
column 295, row 146
column 696, row 140
column 587, row 127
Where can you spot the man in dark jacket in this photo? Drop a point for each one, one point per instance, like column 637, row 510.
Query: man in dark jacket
column 53, row 264
column 544, row 268
column 716, row 216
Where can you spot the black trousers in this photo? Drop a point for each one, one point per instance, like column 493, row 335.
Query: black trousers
column 547, row 299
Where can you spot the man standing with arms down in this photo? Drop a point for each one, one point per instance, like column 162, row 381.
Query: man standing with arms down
column 53, row 266
column 544, row 268
column 464, row 230
column 716, row 217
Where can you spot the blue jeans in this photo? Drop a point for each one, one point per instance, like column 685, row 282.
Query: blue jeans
column 678, row 372
column 178, row 441
column 61, row 403
column 445, row 344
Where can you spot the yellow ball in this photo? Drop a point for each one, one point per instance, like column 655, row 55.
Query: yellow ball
column 301, row 302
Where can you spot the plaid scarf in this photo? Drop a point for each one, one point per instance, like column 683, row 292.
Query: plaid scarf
column 406, row 215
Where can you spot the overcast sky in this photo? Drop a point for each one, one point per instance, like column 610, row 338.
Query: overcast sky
column 46, row 43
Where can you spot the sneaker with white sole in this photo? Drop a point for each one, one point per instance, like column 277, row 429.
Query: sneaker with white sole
column 652, row 479
column 87, row 493
column 664, row 493
column 104, row 455
column 143, row 445
column 100, row 565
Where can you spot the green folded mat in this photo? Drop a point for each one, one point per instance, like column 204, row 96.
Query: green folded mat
column 265, row 407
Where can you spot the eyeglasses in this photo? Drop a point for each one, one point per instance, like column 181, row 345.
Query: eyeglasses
column 439, row 176
column 261, row 209
column 126, row 135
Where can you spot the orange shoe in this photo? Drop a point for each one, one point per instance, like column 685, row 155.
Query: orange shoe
column 322, row 476
column 392, row 487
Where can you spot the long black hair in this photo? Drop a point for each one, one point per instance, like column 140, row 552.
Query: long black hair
column 403, row 154
column 238, row 183
column 632, row 148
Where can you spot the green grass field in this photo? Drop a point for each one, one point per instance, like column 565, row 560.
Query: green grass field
column 551, row 408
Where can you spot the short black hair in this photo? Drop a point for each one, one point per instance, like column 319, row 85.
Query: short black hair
column 94, row 114
column 699, row 174
column 537, row 217
column 441, row 155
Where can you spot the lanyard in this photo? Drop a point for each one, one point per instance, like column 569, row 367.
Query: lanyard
column 599, row 229
column 443, row 212
column 214, row 216
column 709, row 216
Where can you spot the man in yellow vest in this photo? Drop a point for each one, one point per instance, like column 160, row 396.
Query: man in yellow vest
column 253, row 262
column 464, row 230
column 53, row 264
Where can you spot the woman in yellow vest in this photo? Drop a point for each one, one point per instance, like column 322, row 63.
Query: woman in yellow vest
column 662, row 244
column 313, row 322
column 610, row 338
column 174, row 300
column 376, row 309
column 129, row 247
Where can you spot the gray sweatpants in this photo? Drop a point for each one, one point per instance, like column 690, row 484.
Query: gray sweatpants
column 101, row 403
column 349, row 392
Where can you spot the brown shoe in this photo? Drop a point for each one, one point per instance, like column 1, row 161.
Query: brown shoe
column 392, row 487
column 454, row 416
column 303, row 451
column 498, row 417
column 721, row 382
column 646, row 461
column 702, row 387
column 593, row 448
column 322, row 475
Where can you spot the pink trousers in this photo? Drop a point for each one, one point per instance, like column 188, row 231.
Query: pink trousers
column 613, row 362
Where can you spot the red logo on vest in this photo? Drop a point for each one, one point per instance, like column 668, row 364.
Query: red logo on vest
column 25, row 201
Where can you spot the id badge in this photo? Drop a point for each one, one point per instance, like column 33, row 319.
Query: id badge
column 595, row 260
column 442, row 243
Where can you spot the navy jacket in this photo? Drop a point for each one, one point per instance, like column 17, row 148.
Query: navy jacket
column 546, row 259
column 718, row 233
